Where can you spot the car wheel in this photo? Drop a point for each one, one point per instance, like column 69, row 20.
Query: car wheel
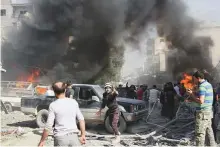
column 122, row 125
column 9, row 107
column 41, row 118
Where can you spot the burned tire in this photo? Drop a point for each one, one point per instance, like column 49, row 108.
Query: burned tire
column 9, row 107
column 122, row 125
column 41, row 118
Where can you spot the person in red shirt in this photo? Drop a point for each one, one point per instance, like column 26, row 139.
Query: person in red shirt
column 140, row 92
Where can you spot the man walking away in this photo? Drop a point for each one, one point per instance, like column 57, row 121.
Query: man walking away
column 69, row 90
column 154, row 96
column 204, row 112
column 109, row 100
column 62, row 116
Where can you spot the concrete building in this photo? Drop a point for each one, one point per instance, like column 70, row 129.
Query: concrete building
column 11, row 12
column 20, row 7
column 160, row 50
column 6, row 13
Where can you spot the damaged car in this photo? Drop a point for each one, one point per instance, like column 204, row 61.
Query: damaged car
column 89, row 98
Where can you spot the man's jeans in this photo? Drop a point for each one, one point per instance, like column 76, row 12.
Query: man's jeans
column 70, row 139
column 152, row 105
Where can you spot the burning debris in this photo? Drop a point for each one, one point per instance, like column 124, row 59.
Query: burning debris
column 30, row 78
column 187, row 81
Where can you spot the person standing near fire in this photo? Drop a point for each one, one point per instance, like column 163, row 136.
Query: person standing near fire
column 62, row 116
column 204, row 113
column 109, row 100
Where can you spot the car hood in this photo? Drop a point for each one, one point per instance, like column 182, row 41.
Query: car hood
column 130, row 101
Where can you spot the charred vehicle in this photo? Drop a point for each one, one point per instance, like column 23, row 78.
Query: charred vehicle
column 89, row 98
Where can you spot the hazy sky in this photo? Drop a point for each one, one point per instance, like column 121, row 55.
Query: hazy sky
column 204, row 10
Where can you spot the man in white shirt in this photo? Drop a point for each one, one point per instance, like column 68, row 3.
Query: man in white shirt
column 154, row 96
column 62, row 117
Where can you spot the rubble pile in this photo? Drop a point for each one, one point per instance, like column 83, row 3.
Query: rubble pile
column 161, row 131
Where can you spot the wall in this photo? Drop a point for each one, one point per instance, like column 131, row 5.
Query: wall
column 6, row 20
column 160, row 50
column 13, row 13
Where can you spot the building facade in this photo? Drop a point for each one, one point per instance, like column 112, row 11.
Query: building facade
column 6, row 13
column 161, row 50
column 11, row 13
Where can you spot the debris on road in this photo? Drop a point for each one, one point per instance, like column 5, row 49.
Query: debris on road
column 157, row 131
column 18, row 131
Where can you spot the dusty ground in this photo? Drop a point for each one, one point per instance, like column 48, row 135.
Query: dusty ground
column 96, row 134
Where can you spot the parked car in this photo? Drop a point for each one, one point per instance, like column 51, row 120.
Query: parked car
column 89, row 98
column 11, row 103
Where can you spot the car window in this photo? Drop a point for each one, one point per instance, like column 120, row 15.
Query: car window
column 86, row 93
column 76, row 92
column 99, row 90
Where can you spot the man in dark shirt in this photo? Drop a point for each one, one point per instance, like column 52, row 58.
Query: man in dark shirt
column 109, row 100
column 69, row 90
column 131, row 92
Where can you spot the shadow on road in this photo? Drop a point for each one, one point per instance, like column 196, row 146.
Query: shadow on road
column 37, row 132
column 25, row 124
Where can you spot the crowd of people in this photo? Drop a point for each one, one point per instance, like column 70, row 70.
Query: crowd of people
column 63, row 121
column 152, row 96
column 204, row 95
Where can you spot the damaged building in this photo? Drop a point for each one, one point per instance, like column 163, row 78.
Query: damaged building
column 12, row 11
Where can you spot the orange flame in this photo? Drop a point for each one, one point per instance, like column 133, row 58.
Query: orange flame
column 31, row 78
column 41, row 90
column 187, row 81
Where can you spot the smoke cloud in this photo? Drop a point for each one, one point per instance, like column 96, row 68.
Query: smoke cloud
column 100, row 31
column 179, row 28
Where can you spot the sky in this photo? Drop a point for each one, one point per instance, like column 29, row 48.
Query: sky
column 204, row 10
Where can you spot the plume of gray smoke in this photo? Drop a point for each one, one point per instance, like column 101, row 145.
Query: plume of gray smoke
column 97, row 27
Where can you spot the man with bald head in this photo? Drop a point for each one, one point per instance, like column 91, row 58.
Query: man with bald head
column 62, row 118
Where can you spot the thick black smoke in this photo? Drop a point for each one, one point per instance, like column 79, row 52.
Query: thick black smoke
column 189, row 51
column 97, row 28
